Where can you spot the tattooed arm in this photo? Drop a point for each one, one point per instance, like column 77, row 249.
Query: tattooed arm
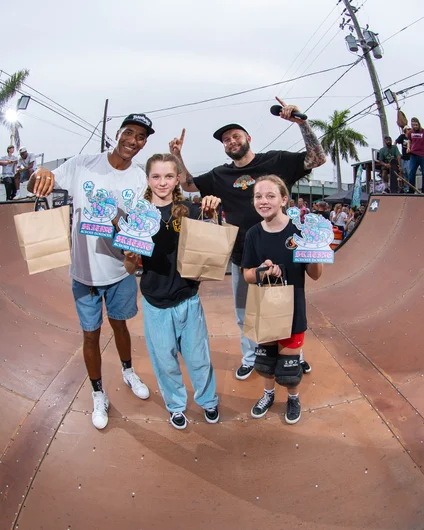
column 186, row 179
column 315, row 155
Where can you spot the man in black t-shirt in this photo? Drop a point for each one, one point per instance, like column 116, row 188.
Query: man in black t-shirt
column 233, row 183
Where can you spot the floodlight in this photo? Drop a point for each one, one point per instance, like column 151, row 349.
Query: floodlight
column 23, row 102
column 389, row 96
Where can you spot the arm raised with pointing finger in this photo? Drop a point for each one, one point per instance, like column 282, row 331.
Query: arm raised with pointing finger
column 186, row 179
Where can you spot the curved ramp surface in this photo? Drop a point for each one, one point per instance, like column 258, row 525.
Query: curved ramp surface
column 368, row 311
column 346, row 465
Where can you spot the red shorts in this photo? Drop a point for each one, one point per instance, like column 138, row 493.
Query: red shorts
column 293, row 342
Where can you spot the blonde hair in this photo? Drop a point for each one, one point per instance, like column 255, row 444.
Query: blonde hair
column 178, row 210
column 279, row 182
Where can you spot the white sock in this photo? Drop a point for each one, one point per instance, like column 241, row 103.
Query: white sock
column 293, row 396
column 269, row 392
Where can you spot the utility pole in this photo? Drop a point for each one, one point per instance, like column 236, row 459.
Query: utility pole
column 12, row 134
column 371, row 68
column 102, row 145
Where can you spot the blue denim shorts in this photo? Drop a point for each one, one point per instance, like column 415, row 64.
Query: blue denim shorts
column 24, row 176
column 120, row 299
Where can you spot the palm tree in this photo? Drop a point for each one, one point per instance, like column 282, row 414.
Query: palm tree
column 339, row 140
column 7, row 90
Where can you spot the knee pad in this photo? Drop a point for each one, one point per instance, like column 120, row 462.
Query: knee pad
column 288, row 370
column 266, row 359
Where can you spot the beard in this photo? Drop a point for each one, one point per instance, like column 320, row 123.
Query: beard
column 243, row 150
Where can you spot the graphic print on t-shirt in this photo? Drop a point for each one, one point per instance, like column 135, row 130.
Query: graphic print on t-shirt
column 103, row 208
column 244, row 182
column 143, row 222
column 176, row 223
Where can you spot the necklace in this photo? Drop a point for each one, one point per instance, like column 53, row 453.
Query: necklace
column 166, row 223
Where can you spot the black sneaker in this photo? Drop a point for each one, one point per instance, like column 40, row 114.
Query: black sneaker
column 293, row 410
column 178, row 420
column 244, row 371
column 260, row 408
column 212, row 415
column 306, row 367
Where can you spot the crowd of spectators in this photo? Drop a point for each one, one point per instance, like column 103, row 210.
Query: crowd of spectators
column 342, row 216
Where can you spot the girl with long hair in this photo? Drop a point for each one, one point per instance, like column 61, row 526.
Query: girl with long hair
column 174, row 321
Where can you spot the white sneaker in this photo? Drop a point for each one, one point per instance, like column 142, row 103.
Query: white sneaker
column 30, row 195
column 135, row 383
column 17, row 195
column 100, row 408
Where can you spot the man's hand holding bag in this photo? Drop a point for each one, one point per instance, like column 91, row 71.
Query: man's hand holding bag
column 44, row 237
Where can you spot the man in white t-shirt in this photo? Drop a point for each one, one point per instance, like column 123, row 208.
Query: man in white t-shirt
column 26, row 166
column 102, row 186
column 8, row 165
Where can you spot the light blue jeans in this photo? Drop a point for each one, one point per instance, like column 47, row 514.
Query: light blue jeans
column 240, row 295
column 181, row 328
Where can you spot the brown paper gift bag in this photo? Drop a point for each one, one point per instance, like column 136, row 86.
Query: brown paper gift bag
column 269, row 312
column 204, row 249
column 43, row 237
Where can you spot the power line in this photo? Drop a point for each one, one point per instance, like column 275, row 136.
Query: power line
column 51, row 100
column 368, row 110
column 316, row 101
column 91, row 136
column 310, row 39
column 337, row 80
column 244, row 103
column 54, row 124
column 241, row 92
column 403, row 29
column 52, row 109
column 299, row 54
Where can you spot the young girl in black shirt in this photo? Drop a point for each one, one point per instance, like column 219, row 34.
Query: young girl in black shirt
column 268, row 244
column 173, row 315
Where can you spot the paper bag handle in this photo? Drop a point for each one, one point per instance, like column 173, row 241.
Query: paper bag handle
column 38, row 202
column 217, row 216
column 260, row 283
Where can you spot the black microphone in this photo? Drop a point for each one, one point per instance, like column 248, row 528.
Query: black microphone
column 276, row 109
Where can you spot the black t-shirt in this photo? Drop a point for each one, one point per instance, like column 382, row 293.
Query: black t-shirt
column 260, row 246
column 234, row 185
column 161, row 283
column 403, row 140
column 324, row 213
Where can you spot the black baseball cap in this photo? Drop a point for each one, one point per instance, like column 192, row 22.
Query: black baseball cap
column 139, row 119
column 218, row 134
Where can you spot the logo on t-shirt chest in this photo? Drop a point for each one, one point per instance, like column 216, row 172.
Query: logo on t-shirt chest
column 244, row 182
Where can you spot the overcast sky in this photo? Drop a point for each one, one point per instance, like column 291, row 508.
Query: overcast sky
column 149, row 55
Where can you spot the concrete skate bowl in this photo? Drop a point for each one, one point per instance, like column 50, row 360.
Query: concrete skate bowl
column 348, row 464
column 367, row 309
